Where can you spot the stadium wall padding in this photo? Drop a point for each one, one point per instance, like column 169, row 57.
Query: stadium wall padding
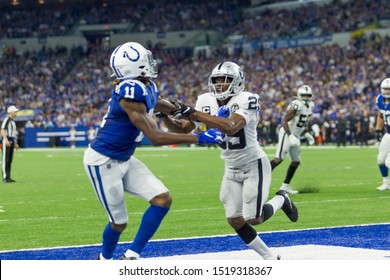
column 59, row 137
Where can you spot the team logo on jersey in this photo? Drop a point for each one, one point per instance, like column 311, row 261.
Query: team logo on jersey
column 234, row 107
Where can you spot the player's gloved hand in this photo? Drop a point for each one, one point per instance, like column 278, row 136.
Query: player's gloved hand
column 160, row 115
column 182, row 110
column 211, row 136
column 378, row 135
column 309, row 138
column 294, row 141
column 223, row 112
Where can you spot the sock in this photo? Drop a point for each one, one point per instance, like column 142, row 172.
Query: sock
column 250, row 237
column 103, row 258
column 273, row 164
column 290, row 173
column 151, row 220
column 272, row 206
column 384, row 171
column 262, row 249
column 268, row 211
column 110, row 240
column 246, row 233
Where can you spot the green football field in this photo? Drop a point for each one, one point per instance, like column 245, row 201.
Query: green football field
column 53, row 204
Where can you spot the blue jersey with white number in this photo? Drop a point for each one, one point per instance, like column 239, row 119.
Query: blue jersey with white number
column 117, row 137
column 384, row 108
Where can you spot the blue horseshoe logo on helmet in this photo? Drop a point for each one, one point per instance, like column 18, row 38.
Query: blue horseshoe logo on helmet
column 129, row 58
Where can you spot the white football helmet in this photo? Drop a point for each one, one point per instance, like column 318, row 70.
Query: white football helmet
column 132, row 60
column 305, row 90
column 385, row 88
column 233, row 76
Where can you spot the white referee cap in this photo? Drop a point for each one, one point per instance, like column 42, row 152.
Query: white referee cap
column 11, row 109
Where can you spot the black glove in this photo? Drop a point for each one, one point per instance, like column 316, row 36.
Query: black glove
column 160, row 115
column 182, row 110
column 378, row 135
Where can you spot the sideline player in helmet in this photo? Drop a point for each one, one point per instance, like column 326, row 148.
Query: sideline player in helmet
column 383, row 120
column 246, row 182
column 294, row 124
column 109, row 161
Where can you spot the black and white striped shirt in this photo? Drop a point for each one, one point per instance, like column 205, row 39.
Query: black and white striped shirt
column 9, row 126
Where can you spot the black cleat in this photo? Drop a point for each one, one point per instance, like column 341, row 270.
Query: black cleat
column 288, row 207
column 9, row 181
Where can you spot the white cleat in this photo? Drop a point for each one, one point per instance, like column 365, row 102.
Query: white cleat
column 383, row 187
column 287, row 188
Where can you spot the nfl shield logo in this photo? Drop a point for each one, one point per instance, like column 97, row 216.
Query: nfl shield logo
column 109, row 166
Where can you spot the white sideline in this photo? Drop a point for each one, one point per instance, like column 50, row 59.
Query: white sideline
column 301, row 252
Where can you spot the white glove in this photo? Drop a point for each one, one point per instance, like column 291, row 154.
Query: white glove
column 294, row 141
column 309, row 138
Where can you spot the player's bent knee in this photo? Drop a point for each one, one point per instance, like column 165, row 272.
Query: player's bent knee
column 118, row 228
column 254, row 222
column 381, row 159
column 295, row 163
column 163, row 199
column 278, row 161
column 236, row 223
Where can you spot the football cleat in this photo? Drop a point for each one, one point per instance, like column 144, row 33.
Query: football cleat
column 127, row 258
column 9, row 181
column 287, row 188
column 383, row 187
column 288, row 207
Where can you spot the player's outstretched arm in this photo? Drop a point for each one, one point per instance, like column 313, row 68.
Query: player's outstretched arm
column 145, row 123
column 229, row 126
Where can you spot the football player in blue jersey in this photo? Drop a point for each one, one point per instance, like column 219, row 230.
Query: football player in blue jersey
column 109, row 161
column 383, row 120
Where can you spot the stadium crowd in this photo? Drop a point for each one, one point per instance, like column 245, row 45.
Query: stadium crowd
column 231, row 17
column 73, row 89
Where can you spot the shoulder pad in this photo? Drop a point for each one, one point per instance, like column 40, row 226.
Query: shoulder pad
column 379, row 100
column 245, row 101
column 132, row 89
column 296, row 104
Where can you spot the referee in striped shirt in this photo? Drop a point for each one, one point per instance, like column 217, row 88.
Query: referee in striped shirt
column 9, row 133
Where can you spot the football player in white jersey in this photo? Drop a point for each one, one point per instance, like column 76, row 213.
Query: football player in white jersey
column 247, row 179
column 294, row 123
column 383, row 120
column 109, row 161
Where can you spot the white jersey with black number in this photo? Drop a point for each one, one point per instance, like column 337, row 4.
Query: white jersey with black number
column 242, row 147
column 298, row 123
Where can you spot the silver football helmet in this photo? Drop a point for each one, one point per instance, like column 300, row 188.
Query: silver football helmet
column 385, row 88
column 233, row 76
column 305, row 90
column 132, row 60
